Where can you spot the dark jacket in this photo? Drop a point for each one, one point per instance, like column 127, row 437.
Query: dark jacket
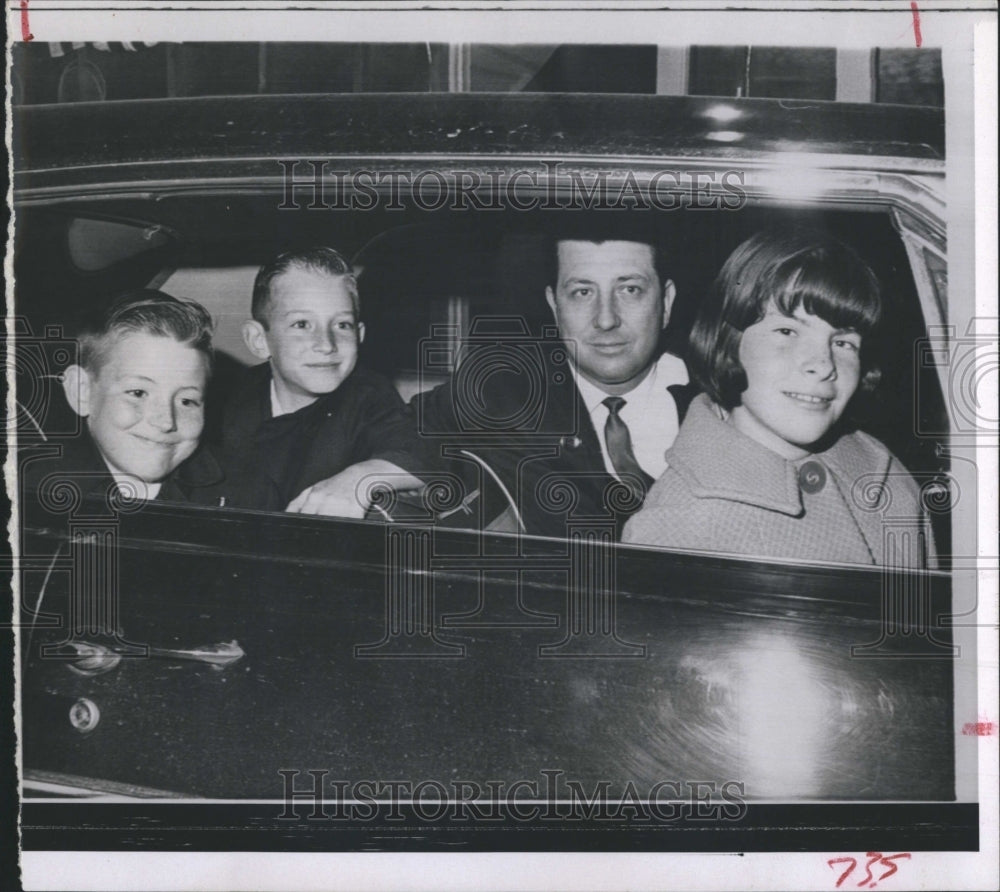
column 74, row 468
column 364, row 418
column 539, row 441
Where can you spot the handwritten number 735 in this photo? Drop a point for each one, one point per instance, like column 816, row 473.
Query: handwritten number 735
column 874, row 858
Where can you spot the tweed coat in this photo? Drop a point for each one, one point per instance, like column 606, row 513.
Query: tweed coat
column 723, row 491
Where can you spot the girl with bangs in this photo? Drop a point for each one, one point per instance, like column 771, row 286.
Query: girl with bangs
column 761, row 465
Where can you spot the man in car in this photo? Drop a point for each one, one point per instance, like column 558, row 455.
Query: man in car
column 590, row 443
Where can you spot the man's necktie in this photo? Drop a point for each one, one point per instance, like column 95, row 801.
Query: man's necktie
column 619, row 442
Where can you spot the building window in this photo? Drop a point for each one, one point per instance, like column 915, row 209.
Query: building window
column 763, row 72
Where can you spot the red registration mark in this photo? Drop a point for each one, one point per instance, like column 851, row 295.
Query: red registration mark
column 874, row 860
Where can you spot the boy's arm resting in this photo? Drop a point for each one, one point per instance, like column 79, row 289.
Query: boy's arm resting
column 389, row 453
column 350, row 493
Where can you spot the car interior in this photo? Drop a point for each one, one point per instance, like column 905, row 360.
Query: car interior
column 428, row 277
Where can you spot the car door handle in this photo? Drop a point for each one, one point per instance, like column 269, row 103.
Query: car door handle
column 95, row 659
column 214, row 654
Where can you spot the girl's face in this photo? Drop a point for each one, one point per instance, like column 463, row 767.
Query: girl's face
column 801, row 373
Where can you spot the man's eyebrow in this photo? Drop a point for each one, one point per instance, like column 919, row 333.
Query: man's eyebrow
column 631, row 275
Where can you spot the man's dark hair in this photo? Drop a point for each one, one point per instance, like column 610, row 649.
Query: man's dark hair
column 599, row 232
column 320, row 259
column 145, row 311
column 791, row 269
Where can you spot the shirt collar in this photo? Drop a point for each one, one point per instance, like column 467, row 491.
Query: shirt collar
column 134, row 488
column 593, row 396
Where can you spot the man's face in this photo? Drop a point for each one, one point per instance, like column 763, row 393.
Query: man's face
column 609, row 303
column 145, row 405
column 312, row 335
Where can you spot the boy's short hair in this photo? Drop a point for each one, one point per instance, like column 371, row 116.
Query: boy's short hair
column 319, row 259
column 808, row 269
column 147, row 311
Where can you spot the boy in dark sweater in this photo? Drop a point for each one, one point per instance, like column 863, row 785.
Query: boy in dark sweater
column 309, row 415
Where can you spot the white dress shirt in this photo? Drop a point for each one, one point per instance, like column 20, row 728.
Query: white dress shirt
column 133, row 488
column 649, row 412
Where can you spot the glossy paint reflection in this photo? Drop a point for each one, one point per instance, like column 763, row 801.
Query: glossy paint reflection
column 774, row 697
column 789, row 715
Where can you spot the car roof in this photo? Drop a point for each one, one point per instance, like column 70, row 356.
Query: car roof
column 103, row 136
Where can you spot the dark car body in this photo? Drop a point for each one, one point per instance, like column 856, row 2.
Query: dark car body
column 246, row 656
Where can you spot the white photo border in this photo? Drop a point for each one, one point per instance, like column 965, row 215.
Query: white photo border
column 966, row 34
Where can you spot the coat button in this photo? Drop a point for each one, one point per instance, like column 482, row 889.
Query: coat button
column 812, row 477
